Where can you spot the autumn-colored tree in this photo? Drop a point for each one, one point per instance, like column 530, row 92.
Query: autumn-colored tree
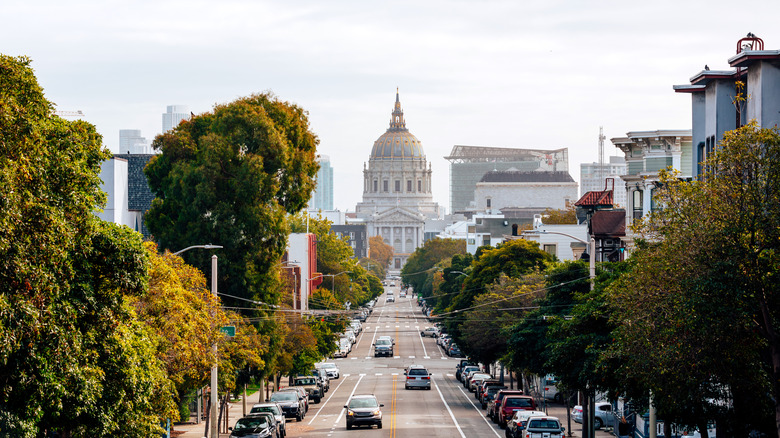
column 380, row 252
column 557, row 217
column 73, row 359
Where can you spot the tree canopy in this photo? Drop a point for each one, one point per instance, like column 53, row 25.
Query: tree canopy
column 73, row 358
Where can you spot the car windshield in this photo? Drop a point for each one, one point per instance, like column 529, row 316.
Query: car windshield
column 284, row 396
column 367, row 402
column 328, row 366
column 305, row 382
column 382, row 342
column 272, row 409
column 251, row 423
column 543, row 423
column 514, row 402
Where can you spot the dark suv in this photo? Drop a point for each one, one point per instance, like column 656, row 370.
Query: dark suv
column 383, row 347
column 363, row 410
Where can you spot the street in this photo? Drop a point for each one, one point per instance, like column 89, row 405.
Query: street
column 446, row 410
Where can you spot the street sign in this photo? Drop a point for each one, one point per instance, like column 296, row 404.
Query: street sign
column 228, row 330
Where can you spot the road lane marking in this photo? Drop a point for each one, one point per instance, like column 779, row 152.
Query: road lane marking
column 350, row 396
column 393, row 405
column 411, row 357
column 448, row 409
column 479, row 411
column 322, row 406
column 425, row 352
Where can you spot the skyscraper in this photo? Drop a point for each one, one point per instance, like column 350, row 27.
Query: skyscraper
column 131, row 142
column 173, row 116
column 322, row 198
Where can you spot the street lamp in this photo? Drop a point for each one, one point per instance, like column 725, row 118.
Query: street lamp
column 213, row 413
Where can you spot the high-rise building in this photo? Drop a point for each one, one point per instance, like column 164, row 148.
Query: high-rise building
column 173, row 115
column 397, row 198
column 468, row 164
column 322, row 198
column 131, row 142
column 594, row 176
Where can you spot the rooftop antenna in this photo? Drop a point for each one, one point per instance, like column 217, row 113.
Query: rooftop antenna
column 601, row 153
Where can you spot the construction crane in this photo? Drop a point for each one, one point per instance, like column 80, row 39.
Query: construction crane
column 69, row 113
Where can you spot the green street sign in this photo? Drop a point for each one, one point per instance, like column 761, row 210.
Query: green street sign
column 228, row 330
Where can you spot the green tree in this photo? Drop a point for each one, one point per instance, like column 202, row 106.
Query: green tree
column 418, row 268
column 705, row 300
column 566, row 216
column 230, row 177
column 73, row 358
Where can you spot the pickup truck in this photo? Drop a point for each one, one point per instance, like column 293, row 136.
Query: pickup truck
column 312, row 387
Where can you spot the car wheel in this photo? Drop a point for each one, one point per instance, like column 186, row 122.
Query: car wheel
column 379, row 425
column 317, row 400
column 507, row 433
column 406, row 387
column 349, row 427
column 484, row 406
column 597, row 423
column 299, row 417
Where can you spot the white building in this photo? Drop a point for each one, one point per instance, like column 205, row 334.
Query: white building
column 173, row 115
column 537, row 189
column 397, row 198
column 131, row 142
column 594, row 176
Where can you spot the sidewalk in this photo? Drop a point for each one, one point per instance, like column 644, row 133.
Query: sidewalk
column 235, row 411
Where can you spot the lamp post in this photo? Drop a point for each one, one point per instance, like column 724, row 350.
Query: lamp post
column 295, row 276
column 213, row 412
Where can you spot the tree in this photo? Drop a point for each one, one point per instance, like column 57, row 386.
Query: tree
column 705, row 300
column 73, row 359
column 380, row 252
column 230, row 177
column 565, row 216
column 181, row 310
column 418, row 267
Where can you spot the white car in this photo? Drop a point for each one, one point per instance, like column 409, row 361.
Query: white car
column 430, row 331
column 331, row 369
column 390, row 299
column 402, row 294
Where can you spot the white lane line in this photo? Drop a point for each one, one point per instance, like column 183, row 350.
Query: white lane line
column 411, row 357
column 350, row 396
column 478, row 411
column 449, row 410
column 376, row 329
column 353, row 358
column 425, row 352
column 322, row 406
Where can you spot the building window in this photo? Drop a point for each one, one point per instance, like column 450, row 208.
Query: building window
column 384, row 185
column 551, row 249
column 409, row 185
column 419, row 185
column 398, row 185
column 487, row 202
column 376, row 186
column 637, row 204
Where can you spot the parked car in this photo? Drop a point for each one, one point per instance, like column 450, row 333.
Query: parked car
column 323, row 378
column 331, row 369
column 383, row 347
column 490, row 394
column 495, row 405
column 302, row 392
column 603, row 414
column 417, row 376
column 454, row 351
column 291, row 403
column 543, row 427
column 484, row 385
column 311, row 385
column 468, row 375
column 363, row 410
column 465, row 368
column 430, row 331
column 512, row 403
column 515, row 426
column 255, row 426
column 274, row 409
column 476, row 379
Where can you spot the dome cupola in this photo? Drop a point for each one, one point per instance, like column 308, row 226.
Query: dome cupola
column 397, row 143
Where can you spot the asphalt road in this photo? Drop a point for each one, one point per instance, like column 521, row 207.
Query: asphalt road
column 446, row 410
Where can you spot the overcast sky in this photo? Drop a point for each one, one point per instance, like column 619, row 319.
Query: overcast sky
column 525, row 74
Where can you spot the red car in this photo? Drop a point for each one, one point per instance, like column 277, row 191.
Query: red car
column 512, row 403
column 494, row 405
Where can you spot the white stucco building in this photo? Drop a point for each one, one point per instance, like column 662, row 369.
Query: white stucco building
column 537, row 189
column 397, row 198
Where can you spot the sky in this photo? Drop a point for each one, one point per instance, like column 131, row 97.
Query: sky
column 519, row 74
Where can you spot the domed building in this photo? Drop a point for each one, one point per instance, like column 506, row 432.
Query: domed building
column 397, row 197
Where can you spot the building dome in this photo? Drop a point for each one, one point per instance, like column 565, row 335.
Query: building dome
column 397, row 143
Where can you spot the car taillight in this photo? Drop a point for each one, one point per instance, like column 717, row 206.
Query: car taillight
column 427, row 378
